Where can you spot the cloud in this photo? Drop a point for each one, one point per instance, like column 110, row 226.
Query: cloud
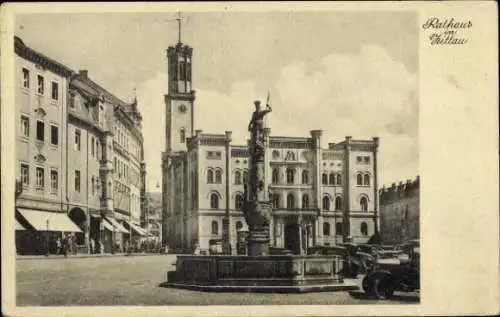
column 361, row 94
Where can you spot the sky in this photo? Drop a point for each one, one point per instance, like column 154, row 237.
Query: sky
column 347, row 73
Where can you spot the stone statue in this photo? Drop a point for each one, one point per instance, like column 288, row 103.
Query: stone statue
column 256, row 207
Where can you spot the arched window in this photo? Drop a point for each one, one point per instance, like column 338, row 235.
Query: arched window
column 183, row 135
column 237, row 177
column 276, row 176
column 367, row 180
column 324, row 179
column 326, row 229
column 338, row 203
column 215, row 227
column 210, row 176
column 364, row 203
column 339, row 179
column 305, row 201
column 331, row 179
column 238, row 201
column 214, row 201
column 245, row 177
column 326, row 203
column 290, row 156
column 359, row 180
column 218, row 177
column 305, row 177
column 290, row 201
column 364, row 228
column 239, row 225
column 339, row 229
column 276, row 201
column 290, row 173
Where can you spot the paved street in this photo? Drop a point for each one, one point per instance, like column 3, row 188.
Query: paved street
column 135, row 281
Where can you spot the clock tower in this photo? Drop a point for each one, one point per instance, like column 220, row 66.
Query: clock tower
column 180, row 98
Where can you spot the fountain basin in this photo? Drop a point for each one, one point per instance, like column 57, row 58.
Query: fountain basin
column 272, row 273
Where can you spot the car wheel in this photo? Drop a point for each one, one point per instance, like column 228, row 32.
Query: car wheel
column 382, row 288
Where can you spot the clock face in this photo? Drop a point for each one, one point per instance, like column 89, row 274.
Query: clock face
column 182, row 108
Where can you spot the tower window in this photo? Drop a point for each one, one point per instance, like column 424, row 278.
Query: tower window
column 326, row 203
column 331, row 179
column 305, row 201
column 290, row 173
column 338, row 203
column 339, row 228
column 364, row 228
column 364, row 204
column 276, row 201
column 238, row 202
column 366, row 180
column 214, row 201
column 183, row 135
column 245, row 177
column 218, row 177
column 326, row 229
column 290, row 201
column 237, row 177
column 339, row 179
column 305, row 177
column 188, row 71
column 182, row 70
column 210, row 176
column 359, row 180
column 324, row 179
column 215, row 227
column 276, row 176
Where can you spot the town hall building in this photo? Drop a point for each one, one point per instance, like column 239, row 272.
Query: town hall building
column 328, row 191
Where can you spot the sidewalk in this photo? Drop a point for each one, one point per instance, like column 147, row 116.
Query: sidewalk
column 54, row 256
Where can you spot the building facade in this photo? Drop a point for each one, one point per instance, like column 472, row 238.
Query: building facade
column 153, row 216
column 73, row 155
column 400, row 212
column 324, row 194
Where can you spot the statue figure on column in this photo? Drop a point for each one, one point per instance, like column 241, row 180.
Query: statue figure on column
column 256, row 127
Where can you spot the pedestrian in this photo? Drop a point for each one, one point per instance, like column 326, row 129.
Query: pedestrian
column 65, row 246
column 58, row 246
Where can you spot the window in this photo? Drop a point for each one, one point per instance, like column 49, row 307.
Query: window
column 26, row 78
column 238, row 202
column 324, row 179
column 215, row 227
column 210, row 176
column 25, row 174
column 245, row 177
column 339, row 228
column 115, row 166
column 55, row 91
column 25, row 126
column 183, row 135
column 276, row 201
column 54, row 135
column 331, row 179
column 92, row 146
column 339, row 179
column 276, row 176
column 40, row 177
column 290, row 201
column 305, row 177
column 364, row 228
column 359, row 159
column 77, row 181
column 214, row 201
column 364, row 203
column 276, row 154
column 93, row 187
column 290, row 173
column 78, row 137
column 218, row 177
column 366, row 180
column 366, row 160
column 305, row 201
column 326, row 229
column 40, row 131
column 54, row 180
column 239, row 225
column 237, row 177
column 182, row 70
column 338, row 203
column 326, row 203
column 359, row 180
column 98, row 150
column 290, row 156
column 40, row 84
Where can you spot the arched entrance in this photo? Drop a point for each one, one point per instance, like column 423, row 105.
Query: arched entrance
column 292, row 237
column 78, row 216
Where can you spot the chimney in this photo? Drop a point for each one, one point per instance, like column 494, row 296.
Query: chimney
column 84, row 73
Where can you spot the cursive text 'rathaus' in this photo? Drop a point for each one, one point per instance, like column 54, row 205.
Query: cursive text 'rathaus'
column 450, row 23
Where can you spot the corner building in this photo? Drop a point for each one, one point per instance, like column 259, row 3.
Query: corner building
column 322, row 194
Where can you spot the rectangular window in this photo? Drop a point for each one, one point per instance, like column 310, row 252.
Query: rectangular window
column 78, row 137
column 54, row 135
column 26, row 78
column 359, row 159
column 40, row 131
column 25, row 126
column 54, row 180
column 40, row 179
column 366, row 159
column 115, row 167
column 98, row 150
column 92, row 147
column 25, row 174
column 40, row 85
column 55, row 91
column 93, row 186
column 182, row 70
column 77, row 181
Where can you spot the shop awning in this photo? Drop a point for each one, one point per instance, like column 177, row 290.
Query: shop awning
column 137, row 229
column 107, row 225
column 49, row 221
column 19, row 226
column 117, row 225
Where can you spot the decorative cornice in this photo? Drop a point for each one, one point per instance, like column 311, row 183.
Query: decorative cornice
column 190, row 96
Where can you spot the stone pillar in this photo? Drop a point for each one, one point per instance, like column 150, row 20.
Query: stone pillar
column 316, row 176
column 375, row 184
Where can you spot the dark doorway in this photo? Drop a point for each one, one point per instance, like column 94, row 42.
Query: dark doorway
column 80, row 219
column 292, row 238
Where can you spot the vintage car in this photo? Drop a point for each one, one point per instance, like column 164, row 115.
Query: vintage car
column 395, row 274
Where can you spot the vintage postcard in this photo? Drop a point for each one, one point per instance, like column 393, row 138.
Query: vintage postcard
column 293, row 158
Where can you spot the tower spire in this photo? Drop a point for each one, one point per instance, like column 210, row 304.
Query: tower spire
column 179, row 20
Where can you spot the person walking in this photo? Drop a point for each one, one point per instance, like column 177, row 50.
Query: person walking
column 58, row 246
column 65, row 246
